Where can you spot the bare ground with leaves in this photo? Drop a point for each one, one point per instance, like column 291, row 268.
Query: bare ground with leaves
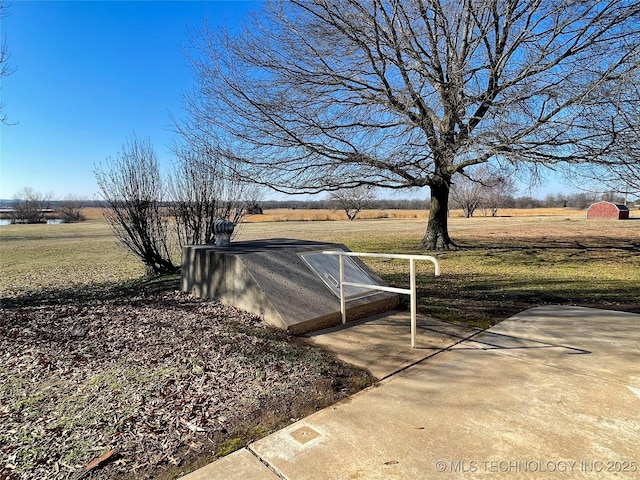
column 109, row 383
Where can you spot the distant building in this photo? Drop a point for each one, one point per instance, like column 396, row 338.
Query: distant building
column 607, row 211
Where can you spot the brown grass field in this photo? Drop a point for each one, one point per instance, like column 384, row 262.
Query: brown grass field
column 314, row 215
column 292, row 215
column 505, row 264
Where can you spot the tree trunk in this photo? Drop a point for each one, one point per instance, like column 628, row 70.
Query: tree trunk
column 437, row 234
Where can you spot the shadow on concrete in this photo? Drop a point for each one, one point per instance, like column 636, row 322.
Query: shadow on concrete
column 381, row 343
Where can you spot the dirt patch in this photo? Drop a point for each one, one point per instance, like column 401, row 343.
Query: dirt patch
column 147, row 386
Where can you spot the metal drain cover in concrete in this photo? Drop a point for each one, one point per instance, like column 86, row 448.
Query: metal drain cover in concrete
column 304, row 434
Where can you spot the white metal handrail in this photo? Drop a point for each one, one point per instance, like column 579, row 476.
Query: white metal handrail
column 411, row 291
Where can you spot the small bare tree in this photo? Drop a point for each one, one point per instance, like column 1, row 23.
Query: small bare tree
column 353, row 200
column 132, row 189
column 497, row 190
column 253, row 199
column 30, row 206
column 70, row 209
column 484, row 186
column 466, row 194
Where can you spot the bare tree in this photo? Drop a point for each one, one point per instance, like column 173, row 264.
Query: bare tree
column 318, row 95
column 153, row 218
column 253, row 200
column 70, row 209
column 466, row 194
column 132, row 188
column 482, row 186
column 498, row 189
column 30, row 206
column 4, row 51
column 353, row 200
column 202, row 193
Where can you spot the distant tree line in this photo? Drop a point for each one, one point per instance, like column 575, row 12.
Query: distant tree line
column 330, row 204
column 579, row 200
column 30, row 206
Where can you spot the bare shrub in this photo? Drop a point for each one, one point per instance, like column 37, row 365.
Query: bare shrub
column 70, row 209
column 135, row 207
column 154, row 218
column 202, row 192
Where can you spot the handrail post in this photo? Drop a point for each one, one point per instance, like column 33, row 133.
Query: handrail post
column 412, row 299
column 411, row 291
column 343, row 301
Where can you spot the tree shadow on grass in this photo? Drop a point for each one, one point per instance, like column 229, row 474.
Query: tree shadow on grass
column 78, row 294
column 580, row 245
column 485, row 301
column 488, row 301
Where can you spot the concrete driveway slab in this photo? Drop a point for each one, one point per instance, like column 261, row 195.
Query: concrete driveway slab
column 466, row 414
column 601, row 343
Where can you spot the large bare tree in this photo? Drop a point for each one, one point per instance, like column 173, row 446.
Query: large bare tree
column 317, row 95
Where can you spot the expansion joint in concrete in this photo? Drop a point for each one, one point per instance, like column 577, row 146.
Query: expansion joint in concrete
column 265, row 463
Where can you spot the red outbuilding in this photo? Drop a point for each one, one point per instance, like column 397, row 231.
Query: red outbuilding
column 607, row 211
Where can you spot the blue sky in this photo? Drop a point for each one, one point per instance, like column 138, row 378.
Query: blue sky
column 88, row 74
